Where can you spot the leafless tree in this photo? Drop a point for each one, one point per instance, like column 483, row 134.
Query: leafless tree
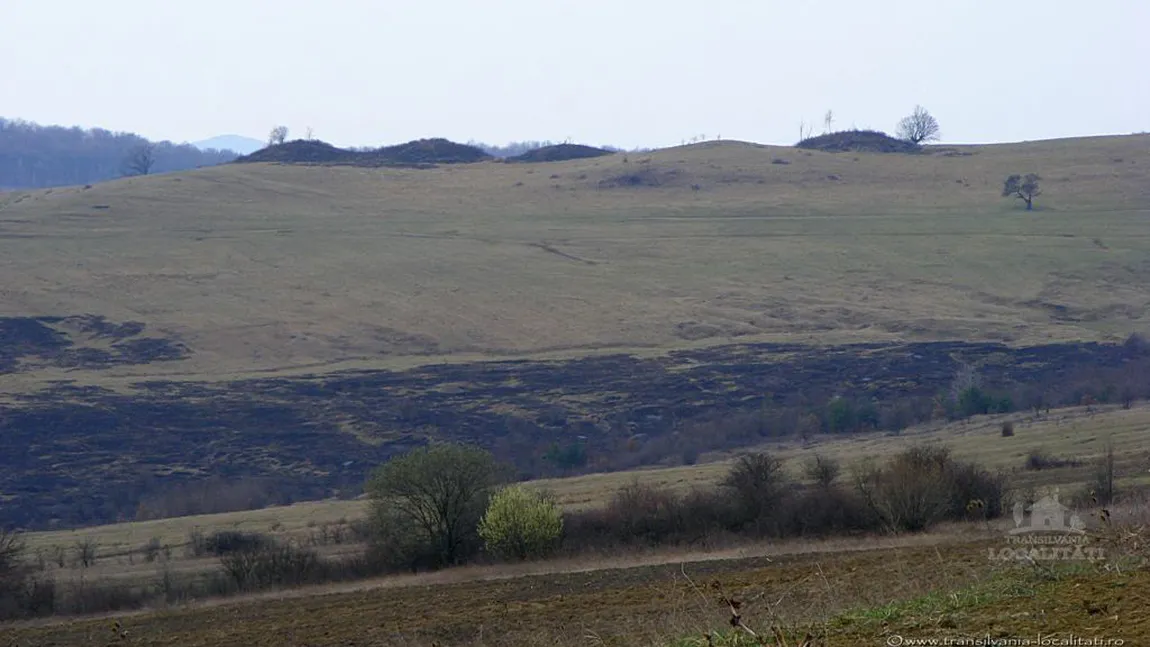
column 310, row 134
column 86, row 552
column 829, row 120
column 823, row 470
column 11, row 551
column 805, row 130
column 278, row 135
column 140, row 160
column 1024, row 188
column 1102, row 491
column 919, row 127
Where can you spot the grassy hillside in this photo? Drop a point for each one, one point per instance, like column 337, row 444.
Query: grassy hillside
column 159, row 330
column 246, row 320
column 260, row 268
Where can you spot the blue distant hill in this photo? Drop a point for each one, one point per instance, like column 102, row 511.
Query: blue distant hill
column 237, row 143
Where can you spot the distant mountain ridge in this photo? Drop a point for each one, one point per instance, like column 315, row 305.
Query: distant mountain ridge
column 33, row 156
column 236, row 143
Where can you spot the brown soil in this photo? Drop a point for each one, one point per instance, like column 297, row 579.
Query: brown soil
column 665, row 604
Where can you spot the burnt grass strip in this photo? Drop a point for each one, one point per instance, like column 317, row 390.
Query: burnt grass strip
column 75, row 456
column 33, row 340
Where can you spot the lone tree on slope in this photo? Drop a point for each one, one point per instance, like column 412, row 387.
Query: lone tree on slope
column 1022, row 187
column 278, row 135
column 440, row 492
column 920, row 126
column 140, row 160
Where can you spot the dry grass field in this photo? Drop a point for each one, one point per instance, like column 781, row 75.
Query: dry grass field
column 271, row 269
column 266, row 271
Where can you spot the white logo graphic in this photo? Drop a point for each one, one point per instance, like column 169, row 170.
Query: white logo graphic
column 1051, row 531
column 1046, row 515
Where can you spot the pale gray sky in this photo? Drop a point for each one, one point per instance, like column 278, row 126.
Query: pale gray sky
column 623, row 72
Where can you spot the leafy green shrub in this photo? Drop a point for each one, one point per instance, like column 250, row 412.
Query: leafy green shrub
column 520, row 524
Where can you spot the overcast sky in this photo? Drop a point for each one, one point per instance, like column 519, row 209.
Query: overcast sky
column 623, row 72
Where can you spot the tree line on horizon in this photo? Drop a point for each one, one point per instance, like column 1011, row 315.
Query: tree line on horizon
column 33, row 156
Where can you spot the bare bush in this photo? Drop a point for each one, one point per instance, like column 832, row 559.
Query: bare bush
column 1038, row 459
column 23, row 593
column 197, row 543
column 827, row 511
column 644, row 513
column 152, row 549
column 822, row 470
column 924, row 485
column 11, row 551
column 224, row 542
column 86, row 552
column 271, row 566
column 757, row 485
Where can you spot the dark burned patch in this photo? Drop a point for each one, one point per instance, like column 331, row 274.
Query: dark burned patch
column 559, row 153
column 89, row 457
column 69, row 389
column 647, row 177
column 25, row 336
column 149, row 349
column 861, row 141
column 100, row 327
column 420, row 153
column 58, row 341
